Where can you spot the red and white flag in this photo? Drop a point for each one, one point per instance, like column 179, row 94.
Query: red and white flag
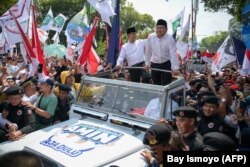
column 246, row 64
column 93, row 61
column 88, row 43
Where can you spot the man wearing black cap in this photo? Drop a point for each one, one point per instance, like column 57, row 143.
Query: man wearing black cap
column 161, row 54
column 186, row 124
column 46, row 104
column 157, row 137
column 63, row 105
column 30, row 94
column 133, row 52
column 209, row 119
column 18, row 113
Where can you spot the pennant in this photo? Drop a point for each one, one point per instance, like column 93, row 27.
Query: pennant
column 88, row 43
column 58, row 23
column 104, row 7
column 224, row 55
column 113, row 48
column 47, row 20
column 77, row 27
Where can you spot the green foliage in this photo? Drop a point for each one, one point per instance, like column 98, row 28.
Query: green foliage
column 232, row 7
column 5, row 5
column 235, row 28
column 212, row 43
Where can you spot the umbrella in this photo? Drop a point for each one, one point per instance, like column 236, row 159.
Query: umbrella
column 55, row 50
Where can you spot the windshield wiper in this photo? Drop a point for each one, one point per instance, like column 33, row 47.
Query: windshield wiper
column 124, row 112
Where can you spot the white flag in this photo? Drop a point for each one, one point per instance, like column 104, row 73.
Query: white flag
column 56, row 38
column 104, row 7
column 224, row 55
column 47, row 20
column 9, row 28
column 182, row 43
column 177, row 21
column 58, row 23
column 43, row 35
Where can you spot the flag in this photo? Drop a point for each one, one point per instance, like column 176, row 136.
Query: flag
column 56, row 38
column 246, row 25
column 47, row 20
column 113, row 48
column 36, row 43
column 182, row 43
column 9, row 28
column 2, row 40
column 224, row 55
column 77, row 27
column 92, row 61
column 177, row 22
column 58, row 23
column 26, row 43
column 104, row 8
column 43, row 35
column 246, row 63
column 88, row 43
column 120, row 39
column 239, row 48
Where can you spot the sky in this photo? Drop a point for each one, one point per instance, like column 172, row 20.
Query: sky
column 207, row 22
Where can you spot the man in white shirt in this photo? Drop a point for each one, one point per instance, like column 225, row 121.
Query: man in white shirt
column 161, row 54
column 30, row 94
column 133, row 52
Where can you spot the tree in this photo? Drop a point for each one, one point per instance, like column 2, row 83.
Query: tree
column 232, row 7
column 212, row 43
column 5, row 5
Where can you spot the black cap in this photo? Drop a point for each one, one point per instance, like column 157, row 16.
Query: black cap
column 131, row 29
column 16, row 90
column 27, row 82
column 211, row 100
column 64, row 87
column 218, row 142
column 185, row 111
column 158, row 133
column 162, row 23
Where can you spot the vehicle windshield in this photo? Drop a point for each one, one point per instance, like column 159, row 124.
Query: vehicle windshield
column 121, row 100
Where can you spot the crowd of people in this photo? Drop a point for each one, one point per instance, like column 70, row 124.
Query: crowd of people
column 216, row 115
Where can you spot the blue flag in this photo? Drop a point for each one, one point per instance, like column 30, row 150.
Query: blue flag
column 246, row 25
column 239, row 48
column 113, row 49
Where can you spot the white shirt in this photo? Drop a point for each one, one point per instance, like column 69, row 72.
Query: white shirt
column 132, row 52
column 160, row 50
column 153, row 109
column 32, row 99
